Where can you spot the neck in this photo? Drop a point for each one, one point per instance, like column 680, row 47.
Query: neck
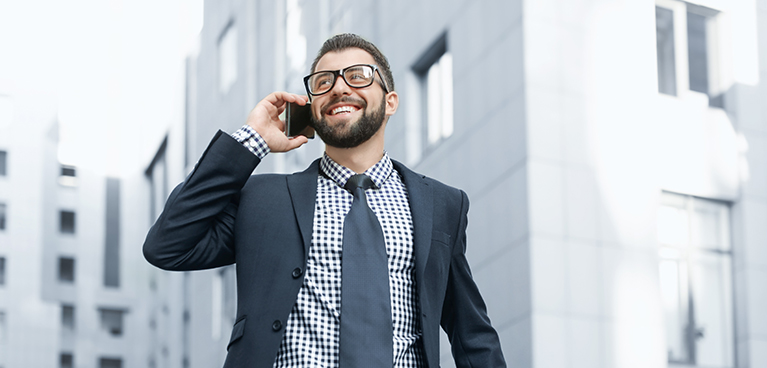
column 359, row 158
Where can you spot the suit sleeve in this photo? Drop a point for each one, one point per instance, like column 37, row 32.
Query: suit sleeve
column 473, row 340
column 196, row 228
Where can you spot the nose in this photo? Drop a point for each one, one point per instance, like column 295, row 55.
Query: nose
column 340, row 87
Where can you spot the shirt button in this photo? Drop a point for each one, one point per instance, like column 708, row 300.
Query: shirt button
column 297, row 272
column 276, row 325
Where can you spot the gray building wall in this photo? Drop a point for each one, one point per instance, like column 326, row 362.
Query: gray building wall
column 561, row 140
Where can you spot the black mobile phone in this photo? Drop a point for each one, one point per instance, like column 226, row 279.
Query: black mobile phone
column 298, row 120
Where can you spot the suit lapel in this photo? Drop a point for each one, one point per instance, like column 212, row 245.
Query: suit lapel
column 303, row 192
column 421, row 209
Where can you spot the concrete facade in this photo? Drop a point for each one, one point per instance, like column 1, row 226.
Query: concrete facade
column 561, row 140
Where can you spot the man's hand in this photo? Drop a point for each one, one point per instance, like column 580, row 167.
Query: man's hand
column 265, row 119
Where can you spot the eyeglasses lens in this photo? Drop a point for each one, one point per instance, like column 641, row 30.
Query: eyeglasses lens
column 357, row 76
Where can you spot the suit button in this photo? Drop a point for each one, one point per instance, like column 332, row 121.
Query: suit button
column 297, row 272
column 276, row 325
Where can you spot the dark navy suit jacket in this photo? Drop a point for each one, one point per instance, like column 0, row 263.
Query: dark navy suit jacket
column 221, row 214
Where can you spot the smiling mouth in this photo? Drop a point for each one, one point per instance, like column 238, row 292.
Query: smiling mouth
column 341, row 110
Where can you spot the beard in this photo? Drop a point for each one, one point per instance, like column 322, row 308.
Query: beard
column 357, row 133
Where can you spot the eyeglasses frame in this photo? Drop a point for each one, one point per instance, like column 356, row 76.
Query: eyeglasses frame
column 340, row 72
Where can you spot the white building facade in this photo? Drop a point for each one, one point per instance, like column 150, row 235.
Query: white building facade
column 615, row 153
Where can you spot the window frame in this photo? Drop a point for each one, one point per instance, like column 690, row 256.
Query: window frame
column 714, row 75
column 689, row 255
column 434, row 68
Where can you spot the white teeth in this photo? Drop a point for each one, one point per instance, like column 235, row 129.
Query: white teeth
column 342, row 109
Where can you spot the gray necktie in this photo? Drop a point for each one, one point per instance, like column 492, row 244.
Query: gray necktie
column 366, row 324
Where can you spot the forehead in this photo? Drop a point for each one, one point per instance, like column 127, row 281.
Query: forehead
column 335, row 60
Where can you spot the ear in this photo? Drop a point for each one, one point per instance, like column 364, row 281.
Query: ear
column 392, row 102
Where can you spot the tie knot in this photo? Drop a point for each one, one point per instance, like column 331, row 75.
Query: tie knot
column 359, row 181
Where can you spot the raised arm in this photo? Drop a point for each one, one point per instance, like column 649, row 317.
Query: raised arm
column 196, row 227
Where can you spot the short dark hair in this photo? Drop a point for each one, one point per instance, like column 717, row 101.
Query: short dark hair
column 349, row 40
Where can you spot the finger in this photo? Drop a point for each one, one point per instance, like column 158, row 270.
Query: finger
column 301, row 100
column 297, row 141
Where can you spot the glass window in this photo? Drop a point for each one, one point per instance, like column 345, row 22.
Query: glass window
column 68, row 175
column 439, row 99
column 67, row 222
column 2, row 216
column 3, row 163
column 696, row 284
column 227, row 58
column 68, row 317
column 664, row 29
column 66, row 360
column 66, row 269
column 2, row 270
column 3, row 327
column 686, row 47
column 430, row 113
column 67, row 170
column 112, row 232
column 112, row 321
column 697, row 52
column 110, row 363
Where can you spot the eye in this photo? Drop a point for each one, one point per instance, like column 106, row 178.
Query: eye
column 321, row 81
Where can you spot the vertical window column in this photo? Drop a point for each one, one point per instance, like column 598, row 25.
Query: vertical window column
column 3, row 163
column 2, row 271
column 3, row 327
column 112, row 234
column 3, row 210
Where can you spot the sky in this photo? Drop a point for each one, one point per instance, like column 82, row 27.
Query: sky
column 116, row 68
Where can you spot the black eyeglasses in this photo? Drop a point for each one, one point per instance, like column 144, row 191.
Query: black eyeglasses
column 355, row 76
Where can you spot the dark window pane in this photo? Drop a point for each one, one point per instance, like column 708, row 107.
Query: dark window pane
column 67, row 222
column 68, row 171
column 68, row 317
column 112, row 321
column 2, row 270
column 697, row 52
column 110, row 363
column 664, row 32
column 66, row 361
column 2, row 216
column 3, row 163
column 66, row 269
column 112, row 241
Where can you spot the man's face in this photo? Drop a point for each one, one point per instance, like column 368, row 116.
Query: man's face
column 346, row 117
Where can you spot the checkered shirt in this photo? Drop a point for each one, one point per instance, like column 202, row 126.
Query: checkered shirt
column 312, row 330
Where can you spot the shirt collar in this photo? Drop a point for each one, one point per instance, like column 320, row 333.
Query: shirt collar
column 340, row 174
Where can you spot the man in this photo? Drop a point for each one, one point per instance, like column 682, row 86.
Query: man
column 334, row 269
